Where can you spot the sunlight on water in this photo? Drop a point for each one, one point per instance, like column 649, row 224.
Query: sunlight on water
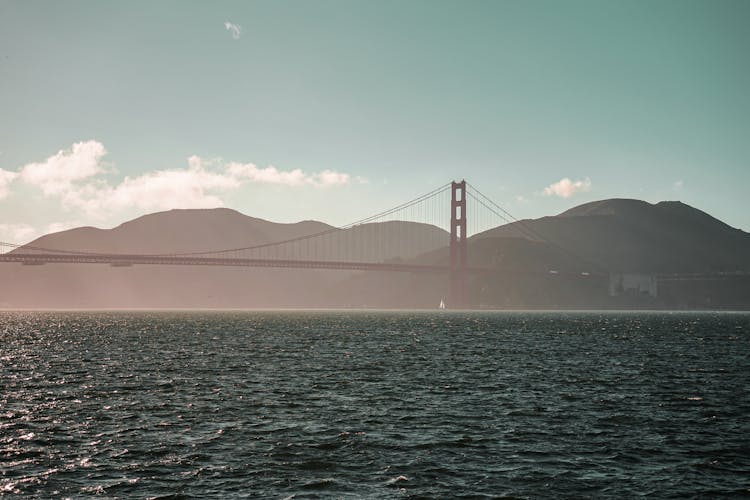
column 353, row 404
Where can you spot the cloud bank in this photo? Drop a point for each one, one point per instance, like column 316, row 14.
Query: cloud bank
column 565, row 188
column 78, row 178
column 16, row 232
column 59, row 172
column 296, row 177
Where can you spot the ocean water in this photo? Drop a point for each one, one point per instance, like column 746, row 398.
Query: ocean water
column 374, row 404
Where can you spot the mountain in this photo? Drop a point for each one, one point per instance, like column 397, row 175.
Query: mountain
column 178, row 231
column 567, row 260
column 203, row 230
column 633, row 236
column 175, row 231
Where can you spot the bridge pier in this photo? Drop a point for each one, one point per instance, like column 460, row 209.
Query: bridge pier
column 458, row 247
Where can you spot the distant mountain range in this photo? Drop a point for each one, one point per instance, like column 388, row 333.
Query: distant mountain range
column 566, row 260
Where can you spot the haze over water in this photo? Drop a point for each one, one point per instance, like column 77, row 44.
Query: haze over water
column 374, row 404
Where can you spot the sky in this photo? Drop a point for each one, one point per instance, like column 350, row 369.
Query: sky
column 336, row 110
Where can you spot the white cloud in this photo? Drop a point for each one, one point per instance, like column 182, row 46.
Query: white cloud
column 194, row 187
column 268, row 175
column 566, row 188
column 296, row 177
column 75, row 177
column 57, row 173
column 521, row 199
column 678, row 185
column 6, row 178
column 16, row 233
column 234, row 29
column 330, row 178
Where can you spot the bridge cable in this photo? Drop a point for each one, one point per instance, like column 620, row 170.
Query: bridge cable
column 599, row 267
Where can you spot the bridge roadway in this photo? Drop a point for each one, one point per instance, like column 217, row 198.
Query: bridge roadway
column 124, row 260
column 127, row 260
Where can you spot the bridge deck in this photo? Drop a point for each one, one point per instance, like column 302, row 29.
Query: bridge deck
column 121, row 260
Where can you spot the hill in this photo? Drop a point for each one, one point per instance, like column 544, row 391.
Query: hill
column 633, row 236
column 567, row 260
column 177, row 231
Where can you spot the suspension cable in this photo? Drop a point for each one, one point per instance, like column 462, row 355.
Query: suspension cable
column 534, row 232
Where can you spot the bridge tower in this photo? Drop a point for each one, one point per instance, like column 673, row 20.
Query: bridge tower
column 458, row 247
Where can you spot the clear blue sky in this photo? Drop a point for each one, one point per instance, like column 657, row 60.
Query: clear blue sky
column 109, row 110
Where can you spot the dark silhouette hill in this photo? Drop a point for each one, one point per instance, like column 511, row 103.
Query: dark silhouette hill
column 623, row 235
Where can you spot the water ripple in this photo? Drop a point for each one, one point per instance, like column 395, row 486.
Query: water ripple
column 358, row 404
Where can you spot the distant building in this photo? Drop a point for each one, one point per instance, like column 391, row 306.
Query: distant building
column 632, row 284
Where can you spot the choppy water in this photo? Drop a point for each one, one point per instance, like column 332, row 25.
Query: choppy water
column 374, row 404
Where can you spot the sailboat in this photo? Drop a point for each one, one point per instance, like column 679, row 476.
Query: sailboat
column 442, row 305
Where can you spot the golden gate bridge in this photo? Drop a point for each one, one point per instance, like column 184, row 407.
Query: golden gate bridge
column 368, row 244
